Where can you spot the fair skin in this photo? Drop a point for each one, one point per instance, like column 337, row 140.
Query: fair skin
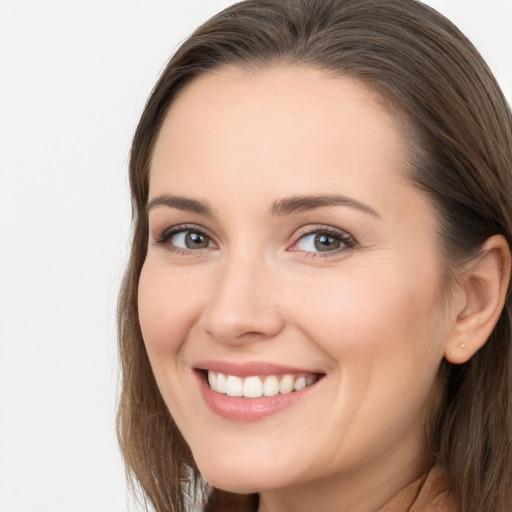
column 342, row 289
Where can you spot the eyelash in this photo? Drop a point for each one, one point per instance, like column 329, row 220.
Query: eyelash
column 169, row 233
column 347, row 241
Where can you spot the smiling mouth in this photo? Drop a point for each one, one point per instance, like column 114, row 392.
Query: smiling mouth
column 255, row 386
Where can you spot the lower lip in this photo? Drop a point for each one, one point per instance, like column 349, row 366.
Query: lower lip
column 249, row 409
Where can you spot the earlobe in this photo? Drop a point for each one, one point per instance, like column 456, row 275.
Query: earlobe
column 484, row 288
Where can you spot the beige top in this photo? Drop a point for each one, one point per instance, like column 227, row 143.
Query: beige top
column 429, row 493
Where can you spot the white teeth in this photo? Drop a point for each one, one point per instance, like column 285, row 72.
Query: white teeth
column 212, row 379
column 286, row 384
column 253, row 388
column 271, row 386
column 256, row 387
column 300, row 383
column 233, row 386
column 221, row 383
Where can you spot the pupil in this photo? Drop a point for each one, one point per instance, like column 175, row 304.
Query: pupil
column 196, row 240
column 326, row 243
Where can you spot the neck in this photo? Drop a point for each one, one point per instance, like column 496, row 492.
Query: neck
column 366, row 490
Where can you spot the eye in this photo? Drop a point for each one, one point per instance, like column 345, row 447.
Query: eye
column 324, row 240
column 185, row 239
column 190, row 240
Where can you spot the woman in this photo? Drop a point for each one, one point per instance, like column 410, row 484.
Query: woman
column 316, row 312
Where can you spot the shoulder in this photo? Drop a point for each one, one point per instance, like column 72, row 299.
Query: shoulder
column 429, row 493
column 435, row 495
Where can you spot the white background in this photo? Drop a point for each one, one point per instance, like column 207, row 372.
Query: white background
column 74, row 77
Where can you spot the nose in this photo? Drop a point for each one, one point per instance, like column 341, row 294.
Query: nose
column 241, row 307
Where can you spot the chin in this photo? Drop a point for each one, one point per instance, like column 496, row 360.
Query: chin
column 239, row 475
column 230, row 485
column 234, row 481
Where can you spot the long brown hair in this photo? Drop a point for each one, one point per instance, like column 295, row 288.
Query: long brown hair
column 459, row 128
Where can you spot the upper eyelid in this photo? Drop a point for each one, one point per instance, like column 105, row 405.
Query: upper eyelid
column 178, row 228
column 309, row 229
column 305, row 230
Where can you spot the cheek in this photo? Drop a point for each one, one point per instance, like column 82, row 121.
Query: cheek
column 165, row 314
column 369, row 322
column 384, row 338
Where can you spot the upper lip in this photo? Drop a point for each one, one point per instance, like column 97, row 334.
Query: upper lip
column 251, row 368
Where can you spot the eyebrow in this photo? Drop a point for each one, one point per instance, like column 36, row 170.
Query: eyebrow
column 180, row 203
column 280, row 208
column 302, row 203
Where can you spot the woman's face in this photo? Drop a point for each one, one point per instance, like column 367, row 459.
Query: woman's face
column 290, row 257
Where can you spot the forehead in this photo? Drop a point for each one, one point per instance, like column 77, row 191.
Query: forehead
column 282, row 125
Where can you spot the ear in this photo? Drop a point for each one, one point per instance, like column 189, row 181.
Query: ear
column 483, row 289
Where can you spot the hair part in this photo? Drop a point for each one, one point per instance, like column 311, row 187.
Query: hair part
column 458, row 127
